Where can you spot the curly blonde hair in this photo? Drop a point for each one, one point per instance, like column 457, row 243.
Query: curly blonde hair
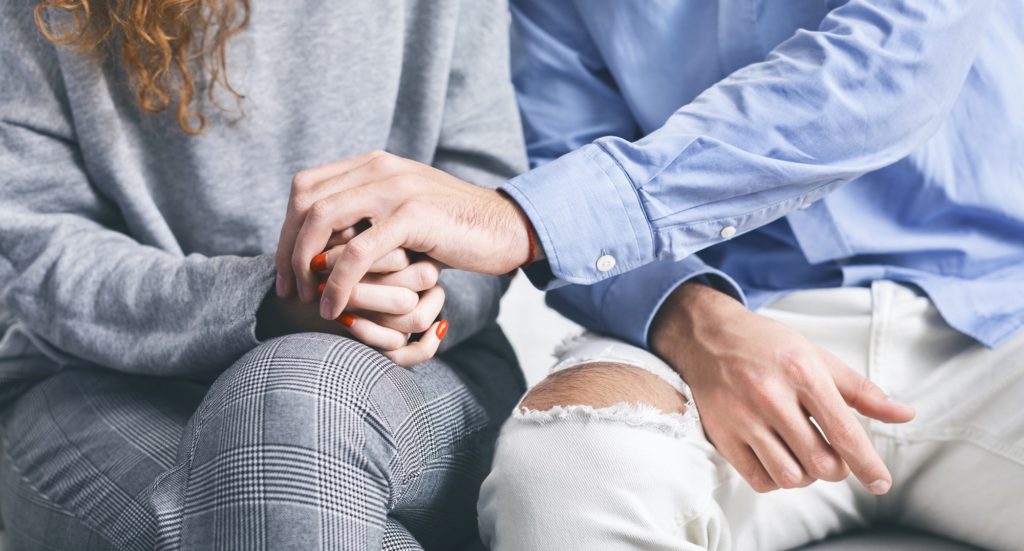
column 161, row 44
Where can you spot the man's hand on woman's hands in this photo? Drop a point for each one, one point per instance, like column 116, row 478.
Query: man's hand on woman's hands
column 408, row 205
column 758, row 384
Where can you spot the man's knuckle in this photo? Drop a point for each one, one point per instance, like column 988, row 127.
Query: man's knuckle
column 300, row 203
column 843, row 434
column 798, row 367
column 821, row 465
column 283, row 259
column 302, row 181
column 864, row 389
column 761, row 484
column 763, row 393
column 298, row 264
column 407, row 185
column 789, row 479
column 357, row 250
column 381, row 162
column 805, row 481
column 319, row 211
column 751, row 471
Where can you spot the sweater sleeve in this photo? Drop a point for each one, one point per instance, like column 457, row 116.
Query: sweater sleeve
column 481, row 142
column 72, row 273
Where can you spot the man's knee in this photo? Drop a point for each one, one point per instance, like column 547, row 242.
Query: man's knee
column 602, row 385
column 594, row 442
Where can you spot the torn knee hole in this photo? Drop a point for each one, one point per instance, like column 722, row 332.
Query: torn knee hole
column 602, row 385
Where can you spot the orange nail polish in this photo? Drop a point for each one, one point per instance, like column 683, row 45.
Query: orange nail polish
column 319, row 263
column 442, row 329
column 346, row 319
column 321, row 286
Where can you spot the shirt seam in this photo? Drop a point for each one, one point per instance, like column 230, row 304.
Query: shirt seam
column 720, row 220
column 636, row 195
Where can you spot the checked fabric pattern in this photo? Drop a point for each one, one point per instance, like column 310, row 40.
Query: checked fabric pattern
column 310, row 441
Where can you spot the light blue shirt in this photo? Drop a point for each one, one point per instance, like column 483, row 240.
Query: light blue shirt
column 796, row 143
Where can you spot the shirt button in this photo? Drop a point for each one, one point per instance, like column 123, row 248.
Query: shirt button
column 605, row 263
column 727, row 232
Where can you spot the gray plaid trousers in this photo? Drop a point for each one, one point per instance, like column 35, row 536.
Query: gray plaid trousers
column 310, row 441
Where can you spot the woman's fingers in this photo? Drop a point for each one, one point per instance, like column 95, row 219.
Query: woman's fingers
column 421, row 350
column 384, row 299
column 356, row 259
column 371, row 334
column 396, row 260
column 418, row 276
column 416, row 321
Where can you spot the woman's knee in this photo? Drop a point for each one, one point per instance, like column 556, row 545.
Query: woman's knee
column 315, row 366
column 294, row 387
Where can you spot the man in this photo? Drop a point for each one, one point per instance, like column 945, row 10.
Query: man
column 852, row 170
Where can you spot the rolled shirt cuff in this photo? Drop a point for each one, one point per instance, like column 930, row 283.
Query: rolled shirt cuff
column 587, row 216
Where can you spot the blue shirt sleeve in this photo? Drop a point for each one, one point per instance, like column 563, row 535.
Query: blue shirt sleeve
column 864, row 90
column 625, row 306
column 550, row 34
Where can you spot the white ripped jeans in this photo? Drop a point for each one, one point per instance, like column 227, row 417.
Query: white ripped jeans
column 631, row 477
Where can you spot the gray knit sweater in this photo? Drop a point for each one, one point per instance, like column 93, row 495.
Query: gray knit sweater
column 127, row 244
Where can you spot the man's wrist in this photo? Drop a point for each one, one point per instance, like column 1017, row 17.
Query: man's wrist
column 527, row 245
column 674, row 323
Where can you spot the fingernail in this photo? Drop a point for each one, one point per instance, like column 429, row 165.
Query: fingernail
column 442, row 329
column 279, row 284
column 319, row 263
column 326, row 309
column 346, row 319
column 878, row 487
column 320, row 288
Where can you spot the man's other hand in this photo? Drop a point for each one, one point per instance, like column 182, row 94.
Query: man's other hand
column 758, row 384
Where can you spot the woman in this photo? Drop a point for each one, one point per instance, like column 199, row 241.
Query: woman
column 149, row 150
